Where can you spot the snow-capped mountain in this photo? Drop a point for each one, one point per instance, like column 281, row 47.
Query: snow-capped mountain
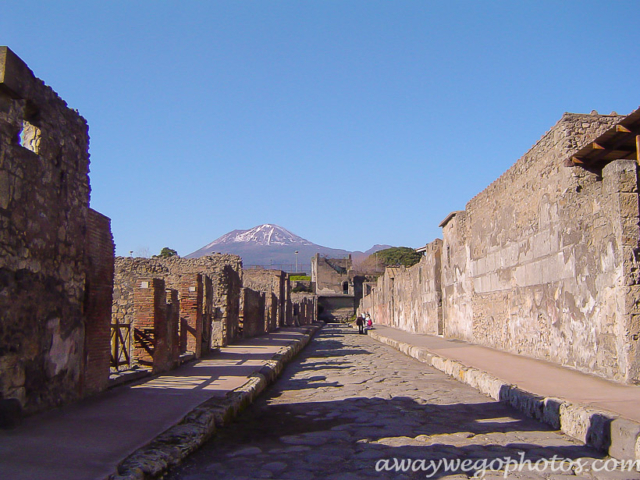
column 267, row 234
column 269, row 245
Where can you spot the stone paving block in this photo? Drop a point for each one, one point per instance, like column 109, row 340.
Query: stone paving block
column 625, row 435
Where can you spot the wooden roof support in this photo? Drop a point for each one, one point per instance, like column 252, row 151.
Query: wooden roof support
column 622, row 129
column 577, row 161
column 596, row 146
column 638, row 149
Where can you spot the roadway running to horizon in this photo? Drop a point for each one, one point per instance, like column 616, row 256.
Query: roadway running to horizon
column 350, row 408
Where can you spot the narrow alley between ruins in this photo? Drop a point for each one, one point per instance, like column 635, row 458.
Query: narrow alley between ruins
column 348, row 404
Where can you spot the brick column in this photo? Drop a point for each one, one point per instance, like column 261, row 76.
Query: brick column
column 150, row 326
column 191, row 313
column 99, row 250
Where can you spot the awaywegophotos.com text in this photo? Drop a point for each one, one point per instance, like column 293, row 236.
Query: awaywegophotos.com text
column 506, row 465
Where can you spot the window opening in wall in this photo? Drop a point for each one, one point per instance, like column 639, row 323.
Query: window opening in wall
column 345, row 288
column 30, row 137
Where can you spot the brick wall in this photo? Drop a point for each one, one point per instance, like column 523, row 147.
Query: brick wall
column 153, row 323
column 191, row 310
column 99, row 290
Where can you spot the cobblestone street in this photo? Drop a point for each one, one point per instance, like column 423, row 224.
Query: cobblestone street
column 348, row 404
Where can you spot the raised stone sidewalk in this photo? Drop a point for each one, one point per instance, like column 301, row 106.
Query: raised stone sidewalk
column 139, row 431
column 600, row 413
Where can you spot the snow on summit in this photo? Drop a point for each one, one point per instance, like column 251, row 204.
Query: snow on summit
column 267, row 234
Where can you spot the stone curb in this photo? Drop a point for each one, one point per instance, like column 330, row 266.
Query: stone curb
column 600, row 429
column 171, row 447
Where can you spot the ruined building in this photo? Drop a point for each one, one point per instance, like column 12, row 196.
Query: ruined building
column 336, row 286
column 272, row 288
column 167, row 307
column 170, row 310
column 282, row 307
column 544, row 261
column 56, row 253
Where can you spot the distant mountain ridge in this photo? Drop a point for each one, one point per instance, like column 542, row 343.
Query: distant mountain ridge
column 271, row 244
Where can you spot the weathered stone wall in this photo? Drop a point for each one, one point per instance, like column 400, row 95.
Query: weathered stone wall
column 44, row 204
column 304, row 308
column 380, row 302
column 414, row 295
column 539, row 262
column 218, row 289
column 252, row 313
column 457, row 287
column 172, row 316
column 271, row 308
column 273, row 283
column 330, row 275
column 543, row 262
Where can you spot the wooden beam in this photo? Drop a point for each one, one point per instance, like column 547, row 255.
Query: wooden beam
column 638, row 149
column 620, row 128
column 597, row 146
column 577, row 161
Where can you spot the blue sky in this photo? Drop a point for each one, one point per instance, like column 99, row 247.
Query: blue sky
column 349, row 123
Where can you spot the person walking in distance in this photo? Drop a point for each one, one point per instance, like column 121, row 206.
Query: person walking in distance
column 360, row 324
column 369, row 323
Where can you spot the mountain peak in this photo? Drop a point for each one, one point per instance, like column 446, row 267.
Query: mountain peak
column 271, row 246
column 267, row 234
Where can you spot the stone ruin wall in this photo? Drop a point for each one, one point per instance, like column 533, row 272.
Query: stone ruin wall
column 409, row 298
column 221, row 282
column 329, row 274
column 275, row 286
column 541, row 263
column 305, row 306
column 46, row 250
column 252, row 313
column 279, row 306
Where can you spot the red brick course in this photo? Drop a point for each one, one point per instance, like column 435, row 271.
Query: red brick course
column 99, row 250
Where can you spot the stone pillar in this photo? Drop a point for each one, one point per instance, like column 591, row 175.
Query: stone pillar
column 191, row 313
column 207, row 314
column 173, row 326
column 273, row 307
column 621, row 184
column 150, row 325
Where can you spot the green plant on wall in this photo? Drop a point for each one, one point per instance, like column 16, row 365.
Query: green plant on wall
column 398, row 256
column 167, row 252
